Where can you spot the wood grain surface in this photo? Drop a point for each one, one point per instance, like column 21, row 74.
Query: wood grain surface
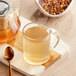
column 66, row 26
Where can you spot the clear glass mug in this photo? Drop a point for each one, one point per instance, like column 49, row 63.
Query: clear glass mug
column 35, row 49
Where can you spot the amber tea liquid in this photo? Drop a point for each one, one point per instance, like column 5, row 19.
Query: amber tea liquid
column 8, row 29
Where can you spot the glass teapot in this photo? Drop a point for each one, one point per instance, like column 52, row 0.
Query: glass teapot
column 9, row 21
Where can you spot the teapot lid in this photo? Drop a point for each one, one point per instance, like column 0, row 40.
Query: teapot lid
column 4, row 8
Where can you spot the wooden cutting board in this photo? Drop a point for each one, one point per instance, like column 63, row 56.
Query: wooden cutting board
column 22, row 66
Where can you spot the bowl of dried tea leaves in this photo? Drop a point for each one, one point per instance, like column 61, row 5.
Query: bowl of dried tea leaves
column 54, row 8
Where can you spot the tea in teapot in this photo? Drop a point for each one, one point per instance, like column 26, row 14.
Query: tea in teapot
column 9, row 22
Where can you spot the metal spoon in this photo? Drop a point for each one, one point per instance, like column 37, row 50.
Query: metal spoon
column 9, row 54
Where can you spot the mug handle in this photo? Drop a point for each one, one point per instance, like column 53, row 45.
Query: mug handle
column 54, row 32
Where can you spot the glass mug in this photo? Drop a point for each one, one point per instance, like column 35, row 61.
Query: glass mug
column 36, row 43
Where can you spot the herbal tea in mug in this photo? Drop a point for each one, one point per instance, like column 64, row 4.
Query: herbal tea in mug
column 36, row 43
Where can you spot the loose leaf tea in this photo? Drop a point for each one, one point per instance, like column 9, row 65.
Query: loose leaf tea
column 54, row 7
